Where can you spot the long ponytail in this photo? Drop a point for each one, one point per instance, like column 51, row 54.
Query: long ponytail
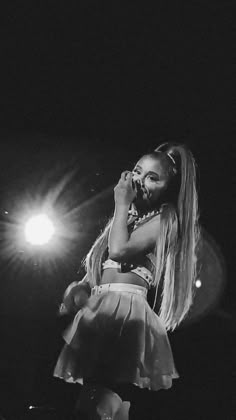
column 178, row 239
column 96, row 256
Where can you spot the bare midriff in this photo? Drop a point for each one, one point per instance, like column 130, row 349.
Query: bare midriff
column 111, row 275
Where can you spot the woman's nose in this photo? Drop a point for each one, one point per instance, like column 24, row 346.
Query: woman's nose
column 140, row 180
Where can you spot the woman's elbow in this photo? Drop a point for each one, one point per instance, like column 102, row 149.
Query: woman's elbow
column 119, row 256
column 115, row 254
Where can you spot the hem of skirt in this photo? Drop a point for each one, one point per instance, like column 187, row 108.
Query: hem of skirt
column 141, row 385
column 70, row 379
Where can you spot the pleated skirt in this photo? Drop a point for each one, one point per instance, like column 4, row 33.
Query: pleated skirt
column 117, row 338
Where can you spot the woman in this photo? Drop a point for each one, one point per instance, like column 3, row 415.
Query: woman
column 150, row 243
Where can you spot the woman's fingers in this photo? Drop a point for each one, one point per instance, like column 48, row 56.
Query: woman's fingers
column 126, row 176
column 62, row 309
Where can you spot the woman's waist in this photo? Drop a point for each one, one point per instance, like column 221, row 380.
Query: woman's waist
column 111, row 275
column 119, row 287
column 139, row 270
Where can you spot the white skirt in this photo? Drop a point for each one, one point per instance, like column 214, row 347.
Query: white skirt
column 117, row 338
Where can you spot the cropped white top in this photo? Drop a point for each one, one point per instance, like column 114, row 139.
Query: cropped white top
column 140, row 270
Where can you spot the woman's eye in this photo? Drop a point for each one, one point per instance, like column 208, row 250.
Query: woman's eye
column 153, row 178
column 136, row 171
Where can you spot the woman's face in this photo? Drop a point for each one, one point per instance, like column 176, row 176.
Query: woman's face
column 151, row 180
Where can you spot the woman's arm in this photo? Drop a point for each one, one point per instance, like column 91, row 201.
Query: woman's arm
column 118, row 236
column 124, row 194
column 141, row 241
column 121, row 245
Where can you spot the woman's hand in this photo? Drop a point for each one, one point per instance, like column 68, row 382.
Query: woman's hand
column 75, row 297
column 124, row 192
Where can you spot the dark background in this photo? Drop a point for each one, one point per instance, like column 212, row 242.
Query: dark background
column 85, row 90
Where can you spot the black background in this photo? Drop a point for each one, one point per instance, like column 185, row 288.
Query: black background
column 89, row 88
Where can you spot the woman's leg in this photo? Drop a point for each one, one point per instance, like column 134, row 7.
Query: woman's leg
column 141, row 401
column 97, row 402
column 114, row 402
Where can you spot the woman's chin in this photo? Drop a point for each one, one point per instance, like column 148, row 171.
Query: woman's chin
column 142, row 204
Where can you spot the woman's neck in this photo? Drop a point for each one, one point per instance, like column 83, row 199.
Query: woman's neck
column 142, row 211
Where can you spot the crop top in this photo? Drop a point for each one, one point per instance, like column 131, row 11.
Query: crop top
column 140, row 270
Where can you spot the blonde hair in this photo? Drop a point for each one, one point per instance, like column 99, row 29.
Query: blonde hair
column 175, row 251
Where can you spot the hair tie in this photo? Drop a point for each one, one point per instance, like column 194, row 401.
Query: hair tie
column 171, row 157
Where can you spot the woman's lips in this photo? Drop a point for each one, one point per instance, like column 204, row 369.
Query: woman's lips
column 142, row 192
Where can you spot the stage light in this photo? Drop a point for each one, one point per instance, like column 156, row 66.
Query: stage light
column 44, row 226
column 39, row 230
column 198, row 283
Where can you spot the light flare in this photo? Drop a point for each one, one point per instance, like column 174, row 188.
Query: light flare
column 39, row 230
